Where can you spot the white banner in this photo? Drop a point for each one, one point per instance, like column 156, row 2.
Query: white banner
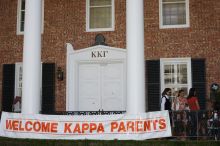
column 100, row 127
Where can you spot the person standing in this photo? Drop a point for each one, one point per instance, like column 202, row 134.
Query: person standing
column 194, row 107
column 193, row 100
column 180, row 102
column 165, row 99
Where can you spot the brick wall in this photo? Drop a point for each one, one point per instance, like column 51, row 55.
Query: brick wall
column 65, row 22
column 200, row 40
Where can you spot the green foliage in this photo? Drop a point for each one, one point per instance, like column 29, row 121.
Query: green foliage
column 33, row 142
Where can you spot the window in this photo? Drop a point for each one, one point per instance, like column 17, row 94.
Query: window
column 174, row 13
column 176, row 74
column 12, row 87
column 21, row 16
column 18, row 79
column 100, row 15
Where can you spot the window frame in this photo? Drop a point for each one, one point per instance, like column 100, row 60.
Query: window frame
column 19, row 32
column 164, row 61
column 176, row 25
column 18, row 79
column 88, row 29
column 19, row 74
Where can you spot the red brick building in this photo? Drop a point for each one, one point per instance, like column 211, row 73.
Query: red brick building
column 181, row 43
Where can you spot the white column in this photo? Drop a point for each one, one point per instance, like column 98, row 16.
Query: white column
column 31, row 99
column 135, row 56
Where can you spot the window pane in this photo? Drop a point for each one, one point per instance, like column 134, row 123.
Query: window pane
column 23, row 5
column 175, row 75
column 22, row 15
column 169, row 77
column 100, row 2
column 22, row 26
column 182, row 73
column 182, row 14
column 100, row 17
column 174, row 13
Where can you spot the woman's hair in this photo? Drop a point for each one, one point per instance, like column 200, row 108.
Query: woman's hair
column 181, row 90
column 192, row 93
column 165, row 91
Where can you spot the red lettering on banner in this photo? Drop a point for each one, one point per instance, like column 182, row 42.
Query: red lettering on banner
column 77, row 128
column 121, row 127
column 37, row 126
column 53, row 127
column 162, row 123
column 26, row 126
column 100, row 128
column 93, row 127
column 46, row 127
column 114, row 126
column 20, row 126
column 85, row 127
column 8, row 124
column 15, row 125
column 67, row 127
column 147, row 125
column 139, row 126
column 34, row 126
column 155, row 124
column 130, row 126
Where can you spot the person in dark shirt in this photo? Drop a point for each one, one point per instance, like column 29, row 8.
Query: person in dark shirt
column 165, row 99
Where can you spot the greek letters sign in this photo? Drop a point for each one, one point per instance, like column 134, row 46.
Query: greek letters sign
column 99, row 54
column 99, row 127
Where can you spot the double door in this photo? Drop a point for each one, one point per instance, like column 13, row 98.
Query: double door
column 101, row 86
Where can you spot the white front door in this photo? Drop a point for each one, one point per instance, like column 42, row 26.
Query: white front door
column 101, row 86
column 89, row 87
column 112, row 87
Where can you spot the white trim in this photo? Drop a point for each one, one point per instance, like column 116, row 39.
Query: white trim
column 74, row 57
column 176, row 60
column 161, row 26
column 99, row 29
column 17, row 73
column 70, row 50
column 19, row 18
column 19, row 32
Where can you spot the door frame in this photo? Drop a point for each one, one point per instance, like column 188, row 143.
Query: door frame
column 97, row 54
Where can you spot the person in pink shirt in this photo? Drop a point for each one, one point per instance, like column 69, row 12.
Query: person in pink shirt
column 180, row 102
